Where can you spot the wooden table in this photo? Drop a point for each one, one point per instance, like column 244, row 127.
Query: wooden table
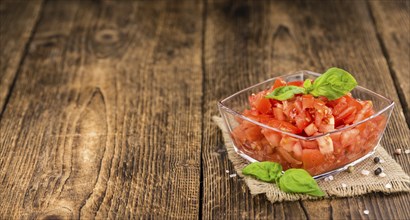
column 106, row 106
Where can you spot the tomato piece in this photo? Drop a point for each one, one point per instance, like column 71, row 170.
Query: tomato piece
column 293, row 145
column 260, row 103
column 340, row 106
column 288, row 142
column 287, row 156
column 323, row 99
column 303, row 119
column 289, row 110
column 272, row 137
column 278, row 83
column 312, row 158
column 345, row 113
column 349, row 119
column 307, row 101
column 253, row 133
column 325, row 144
column 353, row 102
column 367, row 106
column 318, row 118
column 296, row 83
column 298, row 105
column 278, row 113
column 309, row 144
column 323, row 128
column 349, row 136
column 320, row 111
column 284, row 126
column 311, row 129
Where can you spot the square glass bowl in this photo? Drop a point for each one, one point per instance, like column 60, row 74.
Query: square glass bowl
column 255, row 141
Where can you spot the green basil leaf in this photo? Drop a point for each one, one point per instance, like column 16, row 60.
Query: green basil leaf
column 265, row 171
column 333, row 84
column 299, row 181
column 307, row 84
column 285, row 92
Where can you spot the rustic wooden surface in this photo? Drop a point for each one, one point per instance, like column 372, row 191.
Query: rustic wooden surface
column 107, row 105
column 393, row 30
column 17, row 22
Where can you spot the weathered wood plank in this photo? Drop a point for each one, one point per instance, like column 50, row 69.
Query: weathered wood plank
column 246, row 43
column 392, row 20
column 105, row 117
column 17, row 20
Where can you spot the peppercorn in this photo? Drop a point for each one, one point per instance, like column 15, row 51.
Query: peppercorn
column 376, row 159
column 378, row 171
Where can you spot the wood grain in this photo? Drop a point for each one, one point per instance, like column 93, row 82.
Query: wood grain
column 246, row 43
column 17, row 20
column 109, row 115
column 105, row 117
column 392, row 20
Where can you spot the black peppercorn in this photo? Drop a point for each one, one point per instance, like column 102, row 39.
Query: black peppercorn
column 376, row 159
column 378, row 171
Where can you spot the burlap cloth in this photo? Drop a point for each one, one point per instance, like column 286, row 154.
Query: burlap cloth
column 344, row 184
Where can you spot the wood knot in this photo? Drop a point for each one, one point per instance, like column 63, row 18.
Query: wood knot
column 52, row 217
column 56, row 214
column 107, row 36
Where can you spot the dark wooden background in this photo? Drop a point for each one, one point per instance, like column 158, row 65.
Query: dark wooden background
column 106, row 105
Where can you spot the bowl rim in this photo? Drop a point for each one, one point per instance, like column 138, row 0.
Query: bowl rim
column 314, row 137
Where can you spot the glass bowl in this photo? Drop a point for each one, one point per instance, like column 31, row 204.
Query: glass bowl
column 261, row 142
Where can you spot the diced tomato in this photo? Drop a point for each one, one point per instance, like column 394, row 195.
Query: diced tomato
column 296, row 83
column 325, row 144
column 323, row 128
column 340, row 106
column 303, row 119
column 307, row 101
column 298, row 105
column 287, row 143
column 293, row 145
column 272, row 137
column 287, row 156
column 345, row 113
column 311, row 129
column 289, row 110
column 318, row 118
column 260, row 103
column 284, row 126
column 367, row 105
column 278, row 83
column 312, row 158
column 309, row 144
column 307, row 116
column 278, row 113
column 353, row 102
column 253, row 133
column 349, row 136
column 323, row 99
column 349, row 119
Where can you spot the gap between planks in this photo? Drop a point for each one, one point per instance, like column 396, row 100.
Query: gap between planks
column 395, row 79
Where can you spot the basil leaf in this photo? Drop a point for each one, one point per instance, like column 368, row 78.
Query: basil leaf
column 285, row 92
column 307, row 84
column 299, row 181
column 333, row 84
column 265, row 171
